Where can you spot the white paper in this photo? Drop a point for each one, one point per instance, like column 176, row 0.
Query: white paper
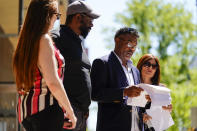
column 160, row 96
column 139, row 101
column 161, row 119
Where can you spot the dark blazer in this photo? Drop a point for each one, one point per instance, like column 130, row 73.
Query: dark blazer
column 108, row 82
column 77, row 67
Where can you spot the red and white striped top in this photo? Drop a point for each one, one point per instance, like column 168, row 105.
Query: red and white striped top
column 39, row 97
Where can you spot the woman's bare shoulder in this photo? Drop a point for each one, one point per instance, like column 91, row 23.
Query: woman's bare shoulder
column 45, row 40
column 45, row 37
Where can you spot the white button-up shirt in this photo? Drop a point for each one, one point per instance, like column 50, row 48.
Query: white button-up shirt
column 129, row 75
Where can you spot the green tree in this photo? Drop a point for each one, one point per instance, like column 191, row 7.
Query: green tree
column 169, row 31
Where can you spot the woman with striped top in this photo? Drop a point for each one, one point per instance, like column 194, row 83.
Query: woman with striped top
column 38, row 67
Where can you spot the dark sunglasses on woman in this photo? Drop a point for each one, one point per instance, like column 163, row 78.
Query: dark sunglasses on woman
column 148, row 64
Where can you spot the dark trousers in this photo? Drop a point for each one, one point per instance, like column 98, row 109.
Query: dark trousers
column 81, row 120
column 50, row 119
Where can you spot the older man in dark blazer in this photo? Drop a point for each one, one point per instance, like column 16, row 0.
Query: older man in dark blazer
column 113, row 78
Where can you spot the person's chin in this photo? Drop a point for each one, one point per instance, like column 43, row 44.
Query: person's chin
column 89, row 30
column 128, row 56
column 85, row 35
column 149, row 74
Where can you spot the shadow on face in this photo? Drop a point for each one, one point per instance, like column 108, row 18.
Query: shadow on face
column 86, row 23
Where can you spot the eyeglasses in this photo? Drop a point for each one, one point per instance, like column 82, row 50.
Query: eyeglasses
column 58, row 15
column 148, row 64
column 129, row 43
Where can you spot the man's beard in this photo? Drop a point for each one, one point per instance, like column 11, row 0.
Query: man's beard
column 84, row 29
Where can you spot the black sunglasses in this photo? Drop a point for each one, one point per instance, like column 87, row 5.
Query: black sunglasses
column 58, row 15
column 148, row 64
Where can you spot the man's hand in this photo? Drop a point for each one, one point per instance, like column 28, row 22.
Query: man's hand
column 132, row 91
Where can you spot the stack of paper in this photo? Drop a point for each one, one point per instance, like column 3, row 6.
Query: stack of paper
column 161, row 119
column 139, row 101
column 160, row 96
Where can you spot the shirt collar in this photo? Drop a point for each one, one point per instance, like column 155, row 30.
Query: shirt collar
column 81, row 37
column 129, row 62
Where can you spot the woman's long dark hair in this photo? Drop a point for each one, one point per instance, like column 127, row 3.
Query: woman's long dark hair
column 36, row 24
column 145, row 58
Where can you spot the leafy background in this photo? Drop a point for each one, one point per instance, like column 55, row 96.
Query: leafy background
column 168, row 32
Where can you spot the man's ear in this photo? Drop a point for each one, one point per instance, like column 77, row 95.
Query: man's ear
column 78, row 17
column 117, row 40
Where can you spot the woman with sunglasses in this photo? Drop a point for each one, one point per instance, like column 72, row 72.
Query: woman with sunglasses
column 149, row 68
column 38, row 67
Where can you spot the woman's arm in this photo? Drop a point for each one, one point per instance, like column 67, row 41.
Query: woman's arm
column 47, row 64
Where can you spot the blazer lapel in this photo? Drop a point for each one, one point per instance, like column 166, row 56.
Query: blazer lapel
column 135, row 77
column 117, row 67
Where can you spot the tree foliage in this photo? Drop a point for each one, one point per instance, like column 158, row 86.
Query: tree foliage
column 168, row 32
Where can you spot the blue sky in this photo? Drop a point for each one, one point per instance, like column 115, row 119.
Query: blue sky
column 95, row 41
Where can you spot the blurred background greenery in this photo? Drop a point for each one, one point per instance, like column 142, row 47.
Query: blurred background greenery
column 169, row 32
